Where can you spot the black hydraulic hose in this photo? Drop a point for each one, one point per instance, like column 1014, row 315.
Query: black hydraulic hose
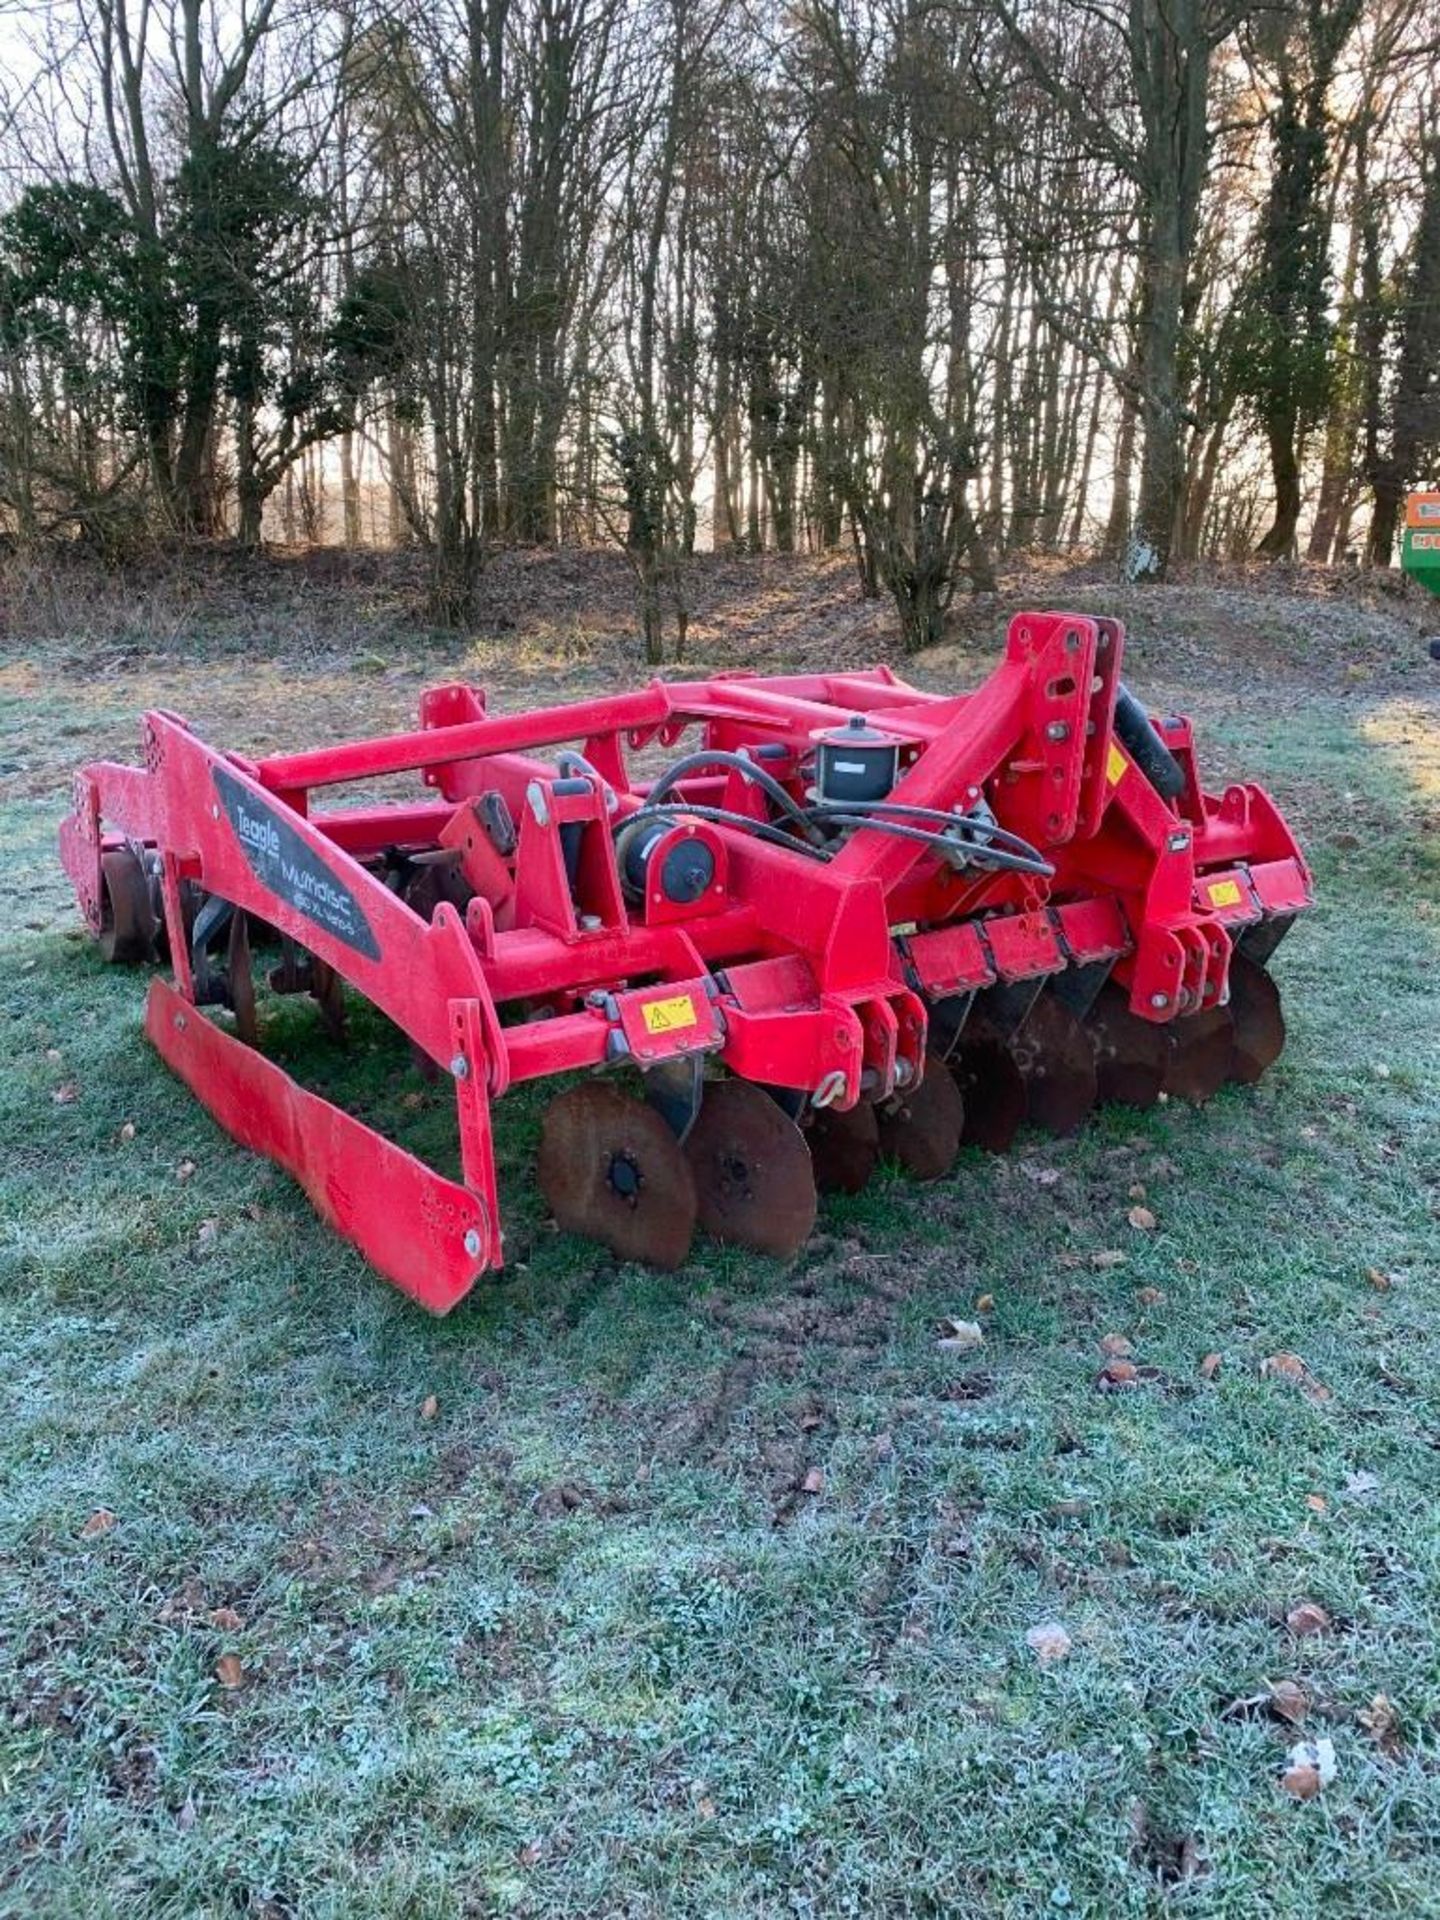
column 568, row 758
column 1000, row 859
column 989, row 831
column 1147, row 749
column 717, row 757
column 724, row 817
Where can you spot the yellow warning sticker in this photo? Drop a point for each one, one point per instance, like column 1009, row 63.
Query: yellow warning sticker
column 1115, row 765
column 669, row 1016
column 1224, row 893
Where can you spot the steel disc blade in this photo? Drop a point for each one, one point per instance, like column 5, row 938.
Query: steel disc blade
column 1058, row 1063
column 328, row 991
column 127, row 931
column 240, row 979
column 921, row 1127
column 437, row 879
column 1258, row 1020
column 1131, row 1054
column 844, row 1147
column 992, row 1090
column 754, row 1185
column 1201, row 1048
column 612, row 1170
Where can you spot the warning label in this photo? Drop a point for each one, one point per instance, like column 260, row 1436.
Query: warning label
column 1115, row 765
column 1224, row 893
column 669, row 1016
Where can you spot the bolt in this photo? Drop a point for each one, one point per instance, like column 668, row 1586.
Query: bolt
column 1159, row 1000
column 460, row 1067
column 472, row 1244
column 1058, row 730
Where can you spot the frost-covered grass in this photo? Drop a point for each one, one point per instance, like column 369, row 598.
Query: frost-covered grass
column 578, row 1643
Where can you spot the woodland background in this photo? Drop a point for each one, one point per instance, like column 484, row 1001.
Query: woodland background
column 932, row 282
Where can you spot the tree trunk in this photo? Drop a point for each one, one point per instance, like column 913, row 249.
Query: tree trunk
column 1280, row 433
column 1117, row 527
column 1162, row 463
column 349, row 489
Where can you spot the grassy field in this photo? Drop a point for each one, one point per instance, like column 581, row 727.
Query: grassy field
column 618, row 1594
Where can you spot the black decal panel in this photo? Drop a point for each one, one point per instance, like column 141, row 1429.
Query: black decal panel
column 282, row 861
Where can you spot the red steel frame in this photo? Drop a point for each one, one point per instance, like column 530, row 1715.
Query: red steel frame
column 803, row 975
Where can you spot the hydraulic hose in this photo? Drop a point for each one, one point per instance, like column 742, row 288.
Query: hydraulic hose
column 724, row 817
column 1147, row 749
column 717, row 757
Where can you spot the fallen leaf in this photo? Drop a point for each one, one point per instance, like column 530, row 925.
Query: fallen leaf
column 185, row 1170
column 1307, row 1618
column 186, row 1817
column 226, row 1619
column 229, row 1672
column 127, row 1132
column 1109, row 1257
column 1042, row 1176
column 1048, row 1642
column 1381, row 1282
column 1382, row 1723
column 100, row 1521
column 706, row 1809
column 529, row 1853
column 1289, row 1701
column 1141, row 1218
column 883, row 1446
column 1309, row 1766
column 1117, row 1374
column 429, row 1406
column 1361, row 1486
column 1316, row 1502
column 66, row 1094
column 959, row 1336
column 1283, row 1366
column 1210, row 1366
column 1137, row 1190
column 985, row 1303
column 1150, row 1296
column 1117, row 1346
column 206, row 1233
column 814, row 1481
column 1190, row 1862
column 1289, row 1366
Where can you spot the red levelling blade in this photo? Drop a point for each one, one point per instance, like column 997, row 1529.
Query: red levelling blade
column 424, row 1232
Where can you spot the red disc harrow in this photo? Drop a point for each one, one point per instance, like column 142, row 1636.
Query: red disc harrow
column 847, row 922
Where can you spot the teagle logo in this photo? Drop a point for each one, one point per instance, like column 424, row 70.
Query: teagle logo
column 257, row 833
column 294, row 868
